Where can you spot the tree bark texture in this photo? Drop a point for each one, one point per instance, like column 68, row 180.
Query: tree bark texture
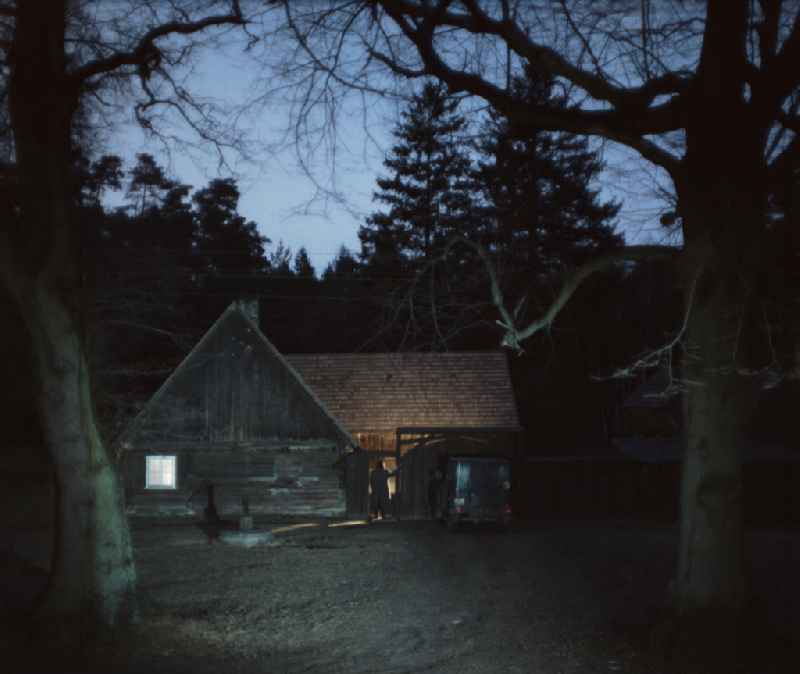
column 720, row 262
column 93, row 574
column 722, row 199
column 710, row 574
column 93, row 577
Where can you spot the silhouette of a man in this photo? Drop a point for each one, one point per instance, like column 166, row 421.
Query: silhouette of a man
column 379, row 483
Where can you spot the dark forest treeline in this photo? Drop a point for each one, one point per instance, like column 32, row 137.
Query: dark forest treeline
column 160, row 268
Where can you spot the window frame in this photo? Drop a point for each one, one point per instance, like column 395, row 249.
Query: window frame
column 161, row 487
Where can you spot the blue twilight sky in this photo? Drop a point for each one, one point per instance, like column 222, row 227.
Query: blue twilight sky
column 280, row 196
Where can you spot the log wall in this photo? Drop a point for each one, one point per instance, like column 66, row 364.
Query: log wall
column 288, row 479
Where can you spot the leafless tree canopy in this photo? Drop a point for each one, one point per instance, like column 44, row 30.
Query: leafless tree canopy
column 628, row 65
column 632, row 70
column 125, row 55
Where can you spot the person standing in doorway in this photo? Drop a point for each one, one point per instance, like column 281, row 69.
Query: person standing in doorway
column 379, row 484
column 434, row 483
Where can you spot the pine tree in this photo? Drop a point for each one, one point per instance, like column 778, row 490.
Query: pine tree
column 280, row 260
column 427, row 190
column 302, row 264
column 344, row 265
column 139, row 259
column 99, row 176
column 148, row 184
column 537, row 188
column 544, row 218
column 226, row 242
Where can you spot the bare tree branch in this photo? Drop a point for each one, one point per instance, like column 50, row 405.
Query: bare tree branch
column 781, row 76
column 768, row 30
column 656, row 357
column 146, row 48
column 627, row 123
column 599, row 87
column 514, row 335
column 789, row 154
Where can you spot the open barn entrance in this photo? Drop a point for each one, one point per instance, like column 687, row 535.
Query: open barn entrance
column 390, row 465
column 358, row 467
column 419, row 451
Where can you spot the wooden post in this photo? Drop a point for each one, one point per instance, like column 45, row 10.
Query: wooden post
column 246, row 519
column 398, row 486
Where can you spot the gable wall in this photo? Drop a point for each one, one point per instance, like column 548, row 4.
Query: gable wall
column 232, row 389
column 236, row 417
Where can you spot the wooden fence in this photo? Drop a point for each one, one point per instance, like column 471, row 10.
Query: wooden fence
column 592, row 487
column 619, row 487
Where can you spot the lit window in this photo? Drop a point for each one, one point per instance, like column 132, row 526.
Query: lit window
column 160, row 472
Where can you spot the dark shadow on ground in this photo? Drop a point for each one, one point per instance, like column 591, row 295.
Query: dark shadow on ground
column 212, row 530
column 21, row 584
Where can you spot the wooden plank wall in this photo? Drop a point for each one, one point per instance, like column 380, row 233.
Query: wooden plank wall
column 287, row 480
column 232, row 389
column 357, row 483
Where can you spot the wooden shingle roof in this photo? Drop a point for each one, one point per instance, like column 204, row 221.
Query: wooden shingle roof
column 379, row 392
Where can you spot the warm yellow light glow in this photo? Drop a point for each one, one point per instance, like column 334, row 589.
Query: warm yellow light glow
column 349, row 523
column 292, row 527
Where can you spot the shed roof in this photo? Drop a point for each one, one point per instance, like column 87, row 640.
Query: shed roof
column 379, row 392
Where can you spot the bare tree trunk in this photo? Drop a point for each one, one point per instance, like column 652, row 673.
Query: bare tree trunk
column 93, row 575
column 722, row 196
column 710, row 562
column 710, row 590
column 92, row 579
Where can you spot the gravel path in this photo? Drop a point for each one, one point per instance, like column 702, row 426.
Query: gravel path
column 408, row 597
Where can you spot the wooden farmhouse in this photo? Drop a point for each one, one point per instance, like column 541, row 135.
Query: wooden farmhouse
column 392, row 403
column 236, row 415
column 238, row 420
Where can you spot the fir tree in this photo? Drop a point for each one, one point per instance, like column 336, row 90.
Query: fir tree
column 302, row 264
column 537, row 189
column 427, row 191
column 280, row 260
column 344, row 265
column 545, row 217
column 226, row 241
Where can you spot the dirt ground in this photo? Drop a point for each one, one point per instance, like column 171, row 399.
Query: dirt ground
column 406, row 597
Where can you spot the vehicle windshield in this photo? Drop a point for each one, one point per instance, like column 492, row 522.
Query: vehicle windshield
column 481, row 476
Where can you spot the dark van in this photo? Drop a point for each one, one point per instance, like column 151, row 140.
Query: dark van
column 476, row 490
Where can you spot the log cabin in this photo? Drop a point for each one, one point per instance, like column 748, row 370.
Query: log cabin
column 234, row 421
column 238, row 421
